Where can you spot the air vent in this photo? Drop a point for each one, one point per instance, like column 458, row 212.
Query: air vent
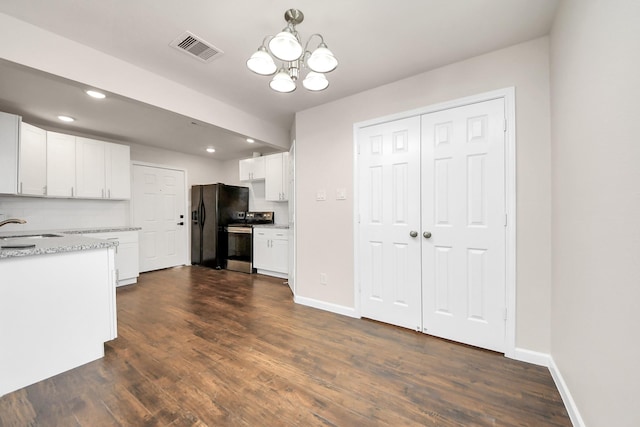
column 196, row 47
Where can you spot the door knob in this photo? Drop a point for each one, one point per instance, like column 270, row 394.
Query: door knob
column 426, row 234
column 181, row 223
column 413, row 233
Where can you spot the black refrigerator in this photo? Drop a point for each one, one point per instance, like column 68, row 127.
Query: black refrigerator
column 213, row 206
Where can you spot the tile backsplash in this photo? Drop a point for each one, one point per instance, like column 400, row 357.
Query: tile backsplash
column 54, row 214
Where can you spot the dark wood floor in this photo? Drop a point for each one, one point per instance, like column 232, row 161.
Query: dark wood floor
column 202, row 347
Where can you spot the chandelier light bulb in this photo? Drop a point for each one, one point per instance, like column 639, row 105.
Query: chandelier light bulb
column 262, row 63
column 322, row 60
column 285, row 46
column 315, row 81
column 282, row 82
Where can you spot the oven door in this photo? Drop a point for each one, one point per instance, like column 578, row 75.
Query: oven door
column 240, row 248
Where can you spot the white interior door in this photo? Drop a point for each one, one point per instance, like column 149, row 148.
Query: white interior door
column 389, row 175
column 463, row 200
column 159, row 208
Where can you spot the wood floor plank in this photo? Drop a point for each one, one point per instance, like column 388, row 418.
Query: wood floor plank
column 202, row 347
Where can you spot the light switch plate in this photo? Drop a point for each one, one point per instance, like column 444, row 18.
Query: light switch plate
column 341, row 194
column 321, row 195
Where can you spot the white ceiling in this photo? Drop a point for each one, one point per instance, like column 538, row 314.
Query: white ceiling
column 375, row 41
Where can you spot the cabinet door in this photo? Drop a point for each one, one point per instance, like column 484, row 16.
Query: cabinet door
column 246, row 168
column 9, row 143
column 273, row 178
column 61, row 164
column 252, row 169
column 33, row 160
column 90, row 168
column 261, row 250
column 127, row 261
column 118, row 171
column 280, row 253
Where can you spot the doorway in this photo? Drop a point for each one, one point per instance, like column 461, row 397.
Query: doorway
column 433, row 244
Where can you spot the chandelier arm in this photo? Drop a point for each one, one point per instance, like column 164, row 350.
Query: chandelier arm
column 309, row 41
column 265, row 43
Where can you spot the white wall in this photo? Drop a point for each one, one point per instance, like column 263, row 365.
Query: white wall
column 595, row 69
column 324, row 160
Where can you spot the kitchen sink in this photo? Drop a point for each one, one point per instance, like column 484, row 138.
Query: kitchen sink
column 31, row 236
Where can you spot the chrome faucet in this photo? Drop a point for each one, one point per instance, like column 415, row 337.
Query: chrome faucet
column 12, row 221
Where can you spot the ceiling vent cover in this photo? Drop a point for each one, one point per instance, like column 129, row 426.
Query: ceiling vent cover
column 196, row 47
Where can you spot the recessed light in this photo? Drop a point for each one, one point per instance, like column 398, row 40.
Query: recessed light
column 250, row 141
column 211, row 150
column 66, row 119
column 95, row 94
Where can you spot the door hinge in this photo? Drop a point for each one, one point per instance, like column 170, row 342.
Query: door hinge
column 505, row 125
column 505, row 220
column 505, row 314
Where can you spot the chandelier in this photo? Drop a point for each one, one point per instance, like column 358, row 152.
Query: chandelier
column 286, row 46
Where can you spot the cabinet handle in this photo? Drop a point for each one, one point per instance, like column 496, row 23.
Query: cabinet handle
column 71, row 191
column 44, row 190
column 102, row 193
column 20, row 187
column 109, row 196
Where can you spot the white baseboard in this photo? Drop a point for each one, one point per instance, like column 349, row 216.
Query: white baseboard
column 530, row 356
column 569, row 403
column 326, row 306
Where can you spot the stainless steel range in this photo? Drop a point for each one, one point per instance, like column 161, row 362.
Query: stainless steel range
column 240, row 239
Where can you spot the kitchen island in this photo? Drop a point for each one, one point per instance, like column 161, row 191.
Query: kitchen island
column 57, row 305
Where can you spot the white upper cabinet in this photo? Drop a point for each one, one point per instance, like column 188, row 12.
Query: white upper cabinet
column 252, row 169
column 90, row 168
column 118, row 171
column 277, row 177
column 9, row 143
column 61, row 165
column 32, row 167
column 35, row 162
column 103, row 170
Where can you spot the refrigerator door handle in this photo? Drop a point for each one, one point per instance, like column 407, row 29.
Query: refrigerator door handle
column 203, row 214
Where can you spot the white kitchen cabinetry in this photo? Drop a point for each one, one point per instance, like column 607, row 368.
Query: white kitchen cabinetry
column 32, row 166
column 277, row 177
column 118, row 171
column 61, row 309
column 9, row 143
column 90, row 168
column 271, row 251
column 252, row 169
column 102, row 170
column 126, row 259
column 61, row 165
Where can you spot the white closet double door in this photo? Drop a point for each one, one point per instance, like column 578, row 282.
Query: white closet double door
column 432, row 223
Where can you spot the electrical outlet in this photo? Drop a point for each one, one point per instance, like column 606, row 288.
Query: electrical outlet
column 323, row 278
column 341, row 194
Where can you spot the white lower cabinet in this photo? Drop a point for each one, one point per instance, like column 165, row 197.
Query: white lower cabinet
column 127, row 262
column 271, row 251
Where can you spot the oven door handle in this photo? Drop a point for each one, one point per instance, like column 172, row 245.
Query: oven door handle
column 240, row 230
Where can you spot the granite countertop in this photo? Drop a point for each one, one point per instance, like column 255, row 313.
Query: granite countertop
column 50, row 245
column 67, row 241
column 100, row 230
column 278, row 226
